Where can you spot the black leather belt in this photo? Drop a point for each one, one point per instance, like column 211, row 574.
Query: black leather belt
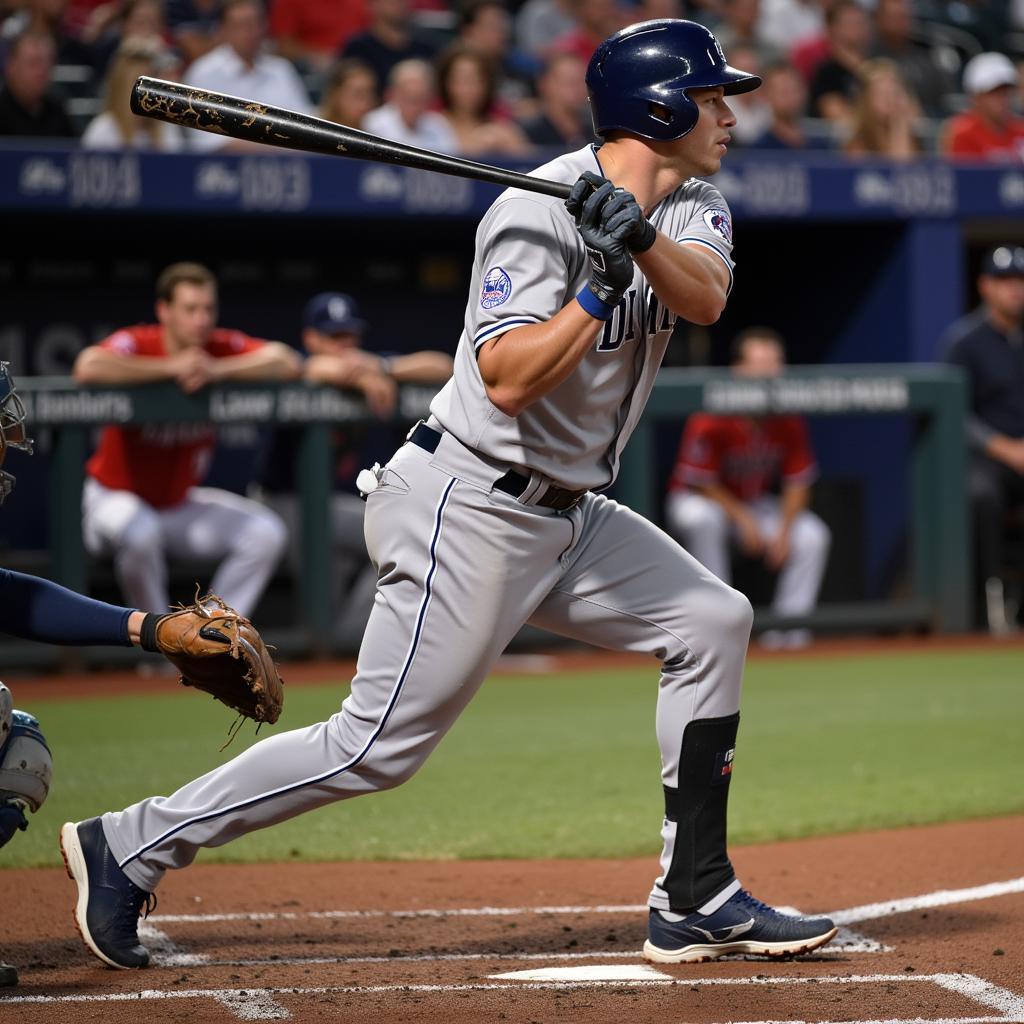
column 512, row 482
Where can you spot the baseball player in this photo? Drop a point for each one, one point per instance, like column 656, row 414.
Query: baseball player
column 332, row 336
column 141, row 502
column 720, row 492
column 36, row 609
column 491, row 516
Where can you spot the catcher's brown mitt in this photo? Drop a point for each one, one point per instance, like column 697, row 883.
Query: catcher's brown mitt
column 220, row 652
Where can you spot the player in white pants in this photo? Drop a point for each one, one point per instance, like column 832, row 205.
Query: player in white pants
column 490, row 517
column 719, row 497
column 141, row 504
column 208, row 524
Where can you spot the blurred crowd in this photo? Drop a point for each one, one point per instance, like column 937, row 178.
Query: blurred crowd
column 893, row 78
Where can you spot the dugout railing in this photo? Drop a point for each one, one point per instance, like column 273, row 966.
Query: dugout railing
column 935, row 396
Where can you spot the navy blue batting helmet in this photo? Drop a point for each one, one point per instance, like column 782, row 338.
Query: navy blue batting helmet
column 638, row 79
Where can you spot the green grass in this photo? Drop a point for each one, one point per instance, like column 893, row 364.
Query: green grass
column 567, row 765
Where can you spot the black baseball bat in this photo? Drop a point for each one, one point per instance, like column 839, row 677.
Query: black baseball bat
column 274, row 126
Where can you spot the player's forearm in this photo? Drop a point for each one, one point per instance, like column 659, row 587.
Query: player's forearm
column 734, row 508
column 98, row 366
column 690, row 281
column 523, row 365
column 422, row 367
column 273, row 361
column 794, row 499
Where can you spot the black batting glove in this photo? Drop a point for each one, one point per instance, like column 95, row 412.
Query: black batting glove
column 642, row 233
column 611, row 265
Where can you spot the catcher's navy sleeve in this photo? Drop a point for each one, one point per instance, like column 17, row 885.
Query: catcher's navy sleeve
column 37, row 609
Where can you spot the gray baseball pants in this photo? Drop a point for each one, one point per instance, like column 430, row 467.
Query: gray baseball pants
column 461, row 568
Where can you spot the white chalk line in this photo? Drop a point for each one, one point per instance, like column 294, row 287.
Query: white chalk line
column 853, row 915
column 941, row 898
column 168, row 954
column 260, row 1003
column 842, row 943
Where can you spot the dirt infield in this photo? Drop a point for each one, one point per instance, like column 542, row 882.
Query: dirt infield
column 933, row 930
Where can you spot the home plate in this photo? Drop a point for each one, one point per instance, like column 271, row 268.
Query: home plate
column 593, row 972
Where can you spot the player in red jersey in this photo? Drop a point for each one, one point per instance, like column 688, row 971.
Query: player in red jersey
column 141, row 502
column 721, row 492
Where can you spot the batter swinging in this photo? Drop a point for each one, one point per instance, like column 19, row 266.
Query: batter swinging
column 491, row 516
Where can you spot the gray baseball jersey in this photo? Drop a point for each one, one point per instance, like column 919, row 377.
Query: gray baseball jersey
column 530, row 262
column 462, row 564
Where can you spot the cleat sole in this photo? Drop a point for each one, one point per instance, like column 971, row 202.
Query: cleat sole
column 698, row 954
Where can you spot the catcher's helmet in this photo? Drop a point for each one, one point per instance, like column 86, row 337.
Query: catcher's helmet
column 12, row 426
column 639, row 77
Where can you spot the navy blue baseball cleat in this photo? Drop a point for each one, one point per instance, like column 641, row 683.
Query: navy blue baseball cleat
column 8, row 975
column 109, row 902
column 742, row 924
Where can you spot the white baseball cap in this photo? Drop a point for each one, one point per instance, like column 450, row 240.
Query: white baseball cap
column 988, row 71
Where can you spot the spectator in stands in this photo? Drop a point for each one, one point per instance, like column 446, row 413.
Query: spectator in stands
column 836, row 82
column 113, row 23
column 239, row 66
column 595, row 21
column 786, row 95
column 390, row 39
column 785, row 23
column 987, row 22
column 28, row 104
column 141, row 502
column 741, row 28
column 350, row 93
column 195, row 26
column 486, row 27
column 406, row 116
column 989, row 345
column 49, row 16
column 720, row 492
column 989, row 130
column 332, row 335
column 885, row 115
column 537, row 22
column 896, row 40
column 116, row 127
column 466, row 83
column 311, row 34
column 564, row 118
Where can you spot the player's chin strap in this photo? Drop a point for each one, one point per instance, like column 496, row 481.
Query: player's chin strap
column 700, row 865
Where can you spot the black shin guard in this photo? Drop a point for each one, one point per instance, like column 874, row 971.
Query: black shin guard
column 700, row 864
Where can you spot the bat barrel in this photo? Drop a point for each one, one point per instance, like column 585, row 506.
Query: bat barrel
column 240, row 118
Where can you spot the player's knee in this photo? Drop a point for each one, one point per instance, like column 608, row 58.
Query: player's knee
column 392, row 774
column 267, row 533
column 141, row 537
column 725, row 612
column 814, row 536
column 818, row 536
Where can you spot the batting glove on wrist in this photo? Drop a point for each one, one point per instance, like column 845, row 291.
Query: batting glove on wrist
column 611, row 265
column 642, row 232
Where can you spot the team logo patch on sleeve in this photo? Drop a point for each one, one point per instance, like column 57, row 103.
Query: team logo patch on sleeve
column 720, row 222
column 496, row 289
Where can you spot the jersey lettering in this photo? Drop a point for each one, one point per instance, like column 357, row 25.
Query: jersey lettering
column 622, row 327
column 614, row 329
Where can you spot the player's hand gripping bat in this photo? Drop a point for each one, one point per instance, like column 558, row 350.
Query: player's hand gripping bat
column 274, row 126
